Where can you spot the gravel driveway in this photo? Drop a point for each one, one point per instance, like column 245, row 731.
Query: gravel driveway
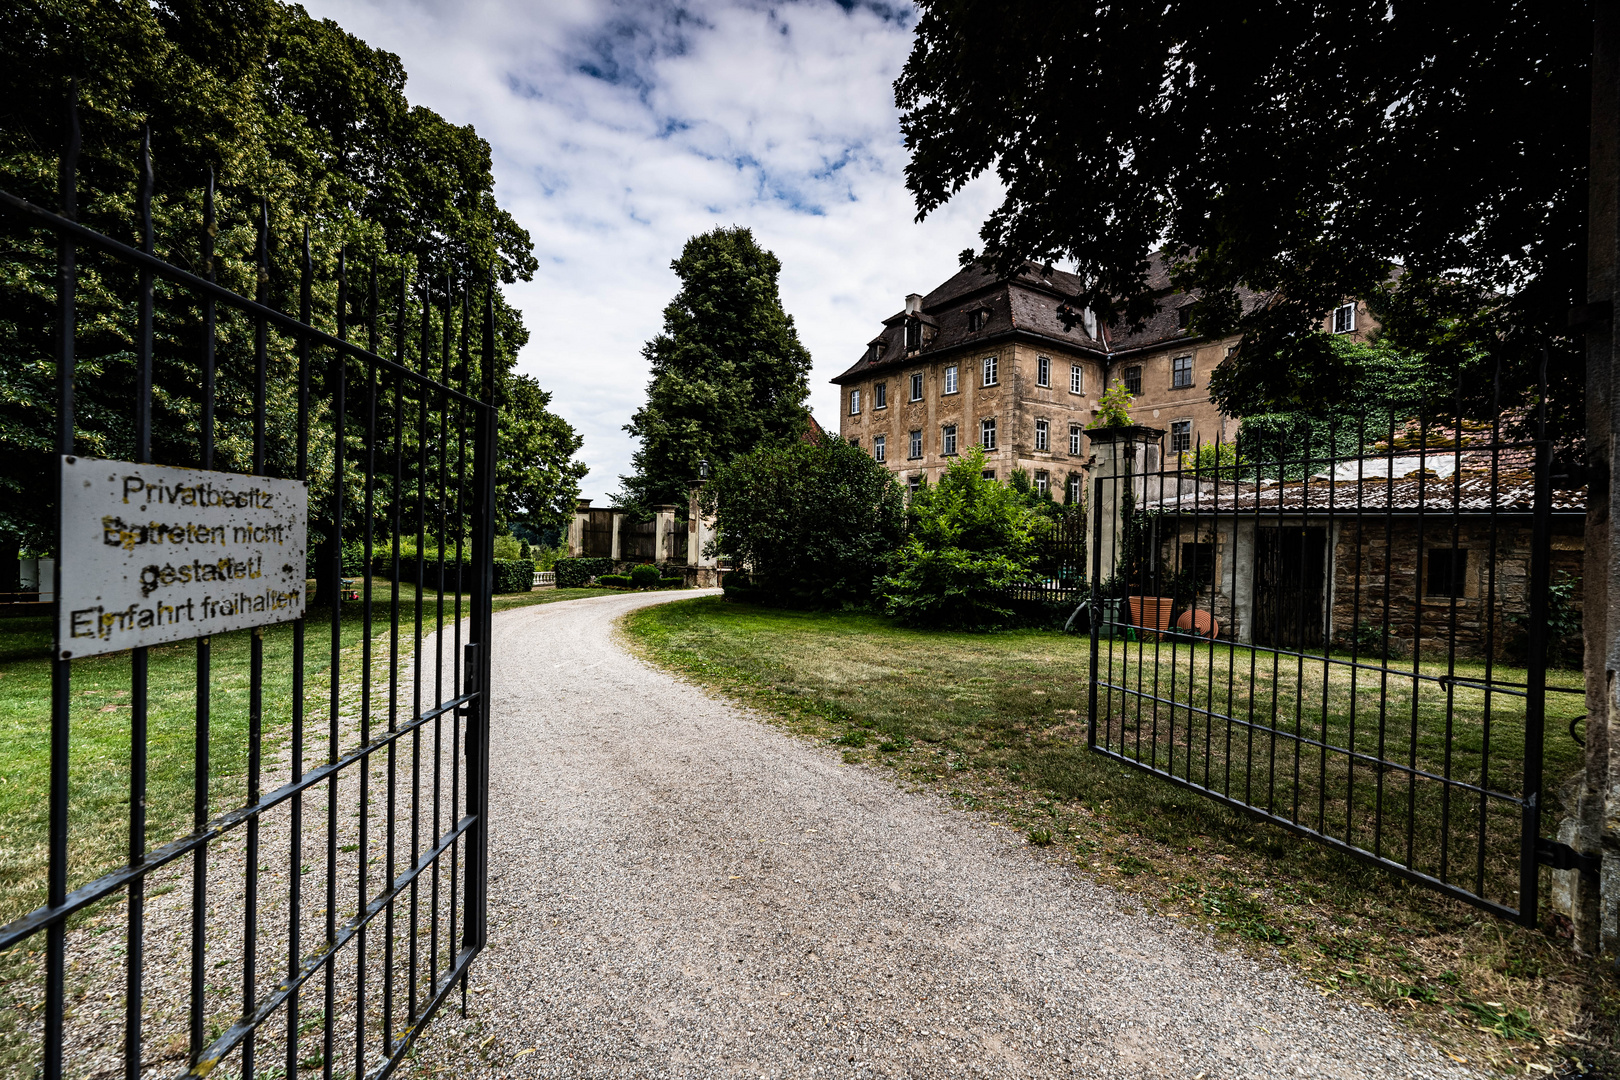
column 679, row 890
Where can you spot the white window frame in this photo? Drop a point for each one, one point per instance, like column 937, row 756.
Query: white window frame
column 1073, row 494
column 1344, row 318
column 880, row 448
column 950, row 379
column 1175, row 371
column 1174, row 448
column 1043, row 371
column 991, row 376
column 880, row 396
column 916, row 386
column 947, row 440
column 915, row 440
column 1077, row 379
column 1043, row 435
column 987, row 433
column 854, row 403
column 1074, row 438
column 1043, row 481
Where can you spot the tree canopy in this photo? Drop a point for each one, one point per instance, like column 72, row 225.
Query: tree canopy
column 292, row 118
column 812, row 520
column 728, row 371
column 1312, row 152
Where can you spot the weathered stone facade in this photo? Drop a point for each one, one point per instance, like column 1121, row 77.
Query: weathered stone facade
column 1049, row 366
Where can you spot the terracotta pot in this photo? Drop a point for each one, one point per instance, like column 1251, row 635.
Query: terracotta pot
column 1151, row 612
column 1198, row 622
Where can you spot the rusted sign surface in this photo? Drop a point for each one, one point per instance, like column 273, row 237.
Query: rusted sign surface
column 152, row 554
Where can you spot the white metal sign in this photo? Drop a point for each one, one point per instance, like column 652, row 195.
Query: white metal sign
column 153, row 554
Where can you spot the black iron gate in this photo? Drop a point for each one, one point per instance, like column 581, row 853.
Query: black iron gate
column 303, row 883
column 1351, row 643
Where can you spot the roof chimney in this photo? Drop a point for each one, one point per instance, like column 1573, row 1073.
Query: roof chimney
column 914, row 303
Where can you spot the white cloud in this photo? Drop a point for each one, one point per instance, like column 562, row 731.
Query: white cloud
column 619, row 130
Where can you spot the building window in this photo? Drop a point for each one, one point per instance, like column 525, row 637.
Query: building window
column 1074, row 489
column 1043, row 438
column 916, row 386
column 913, row 334
column 989, row 371
column 915, row 447
column 1043, row 482
column 880, row 447
column 1133, row 380
column 1077, row 379
column 1180, row 436
column 880, row 396
column 854, row 440
column 1184, row 317
column 978, row 319
column 947, row 442
column 1198, row 561
column 1043, row 371
column 989, row 474
column 987, row 433
column 1180, row 372
column 950, row 378
column 854, row 403
column 1448, row 569
column 1074, row 439
column 1344, row 319
column 914, row 482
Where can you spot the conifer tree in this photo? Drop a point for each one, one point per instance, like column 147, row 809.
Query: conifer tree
column 728, row 371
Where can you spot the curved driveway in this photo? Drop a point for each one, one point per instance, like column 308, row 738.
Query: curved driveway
column 680, row 890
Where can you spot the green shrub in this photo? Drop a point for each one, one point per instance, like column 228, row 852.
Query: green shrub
column 1113, row 408
column 671, row 582
column 644, row 576
column 574, row 573
column 814, row 521
column 514, row 575
column 971, row 540
column 508, row 547
column 614, row 581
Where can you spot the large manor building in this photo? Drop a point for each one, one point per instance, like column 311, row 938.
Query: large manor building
column 990, row 363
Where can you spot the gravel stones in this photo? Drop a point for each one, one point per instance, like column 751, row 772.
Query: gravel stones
column 680, row 890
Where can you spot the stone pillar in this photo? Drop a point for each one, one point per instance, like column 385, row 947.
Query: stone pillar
column 614, row 524
column 664, row 537
column 576, row 528
column 1120, row 458
column 701, row 567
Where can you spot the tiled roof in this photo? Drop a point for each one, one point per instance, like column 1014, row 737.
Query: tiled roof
column 1027, row 304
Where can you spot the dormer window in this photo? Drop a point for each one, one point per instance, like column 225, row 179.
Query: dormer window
column 1184, row 317
column 875, row 353
column 978, row 319
column 913, row 334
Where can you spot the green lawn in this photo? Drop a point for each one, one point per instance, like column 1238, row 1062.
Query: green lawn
column 999, row 721
column 99, row 763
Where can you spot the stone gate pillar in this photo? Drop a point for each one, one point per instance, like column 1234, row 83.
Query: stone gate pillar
column 701, row 567
column 1121, row 457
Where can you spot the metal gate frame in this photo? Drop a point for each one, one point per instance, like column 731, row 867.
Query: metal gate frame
column 1141, row 696
column 458, row 696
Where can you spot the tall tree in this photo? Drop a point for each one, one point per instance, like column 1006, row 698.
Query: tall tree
column 728, row 372
column 287, row 113
column 537, row 478
column 1308, row 151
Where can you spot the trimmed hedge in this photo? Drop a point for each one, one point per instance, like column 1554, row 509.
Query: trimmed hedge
column 644, row 576
column 671, row 582
column 514, row 575
column 614, row 581
column 573, row 573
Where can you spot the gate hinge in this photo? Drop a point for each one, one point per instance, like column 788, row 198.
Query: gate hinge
column 1561, row 856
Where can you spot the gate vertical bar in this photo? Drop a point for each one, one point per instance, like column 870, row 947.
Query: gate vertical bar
column 1535, row 703
column 61, row 670
column 134, row 954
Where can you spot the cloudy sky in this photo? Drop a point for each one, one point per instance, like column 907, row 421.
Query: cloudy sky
column 620, row 129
